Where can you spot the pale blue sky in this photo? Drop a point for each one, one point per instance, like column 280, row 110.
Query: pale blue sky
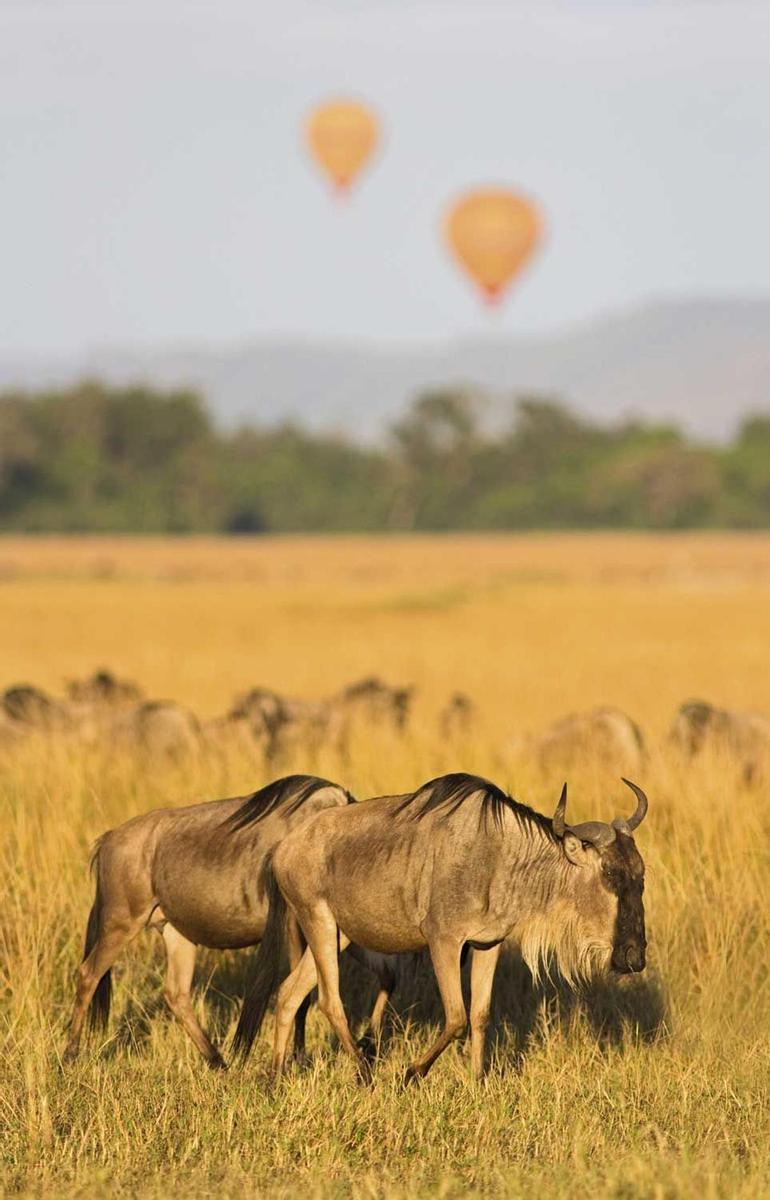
column 153, row 186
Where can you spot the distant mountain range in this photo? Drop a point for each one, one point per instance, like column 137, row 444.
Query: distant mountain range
column 702, row 364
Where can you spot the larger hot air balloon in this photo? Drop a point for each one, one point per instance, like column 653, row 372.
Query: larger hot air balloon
column 492, row 232
column 342, row 135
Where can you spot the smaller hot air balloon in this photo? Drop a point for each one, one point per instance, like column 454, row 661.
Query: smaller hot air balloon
column 342, row 135
column 492, row 232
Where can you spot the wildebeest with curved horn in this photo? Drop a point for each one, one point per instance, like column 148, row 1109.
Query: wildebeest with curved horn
column 456, row 863
column 194, row 875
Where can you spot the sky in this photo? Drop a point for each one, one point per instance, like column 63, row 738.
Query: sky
column 154, row 186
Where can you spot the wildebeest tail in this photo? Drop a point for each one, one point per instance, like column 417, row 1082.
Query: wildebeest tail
column 99, row 1009
column 263, row 980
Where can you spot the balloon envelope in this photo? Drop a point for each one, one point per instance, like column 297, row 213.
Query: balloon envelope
column 342, row 135
column 492, row 232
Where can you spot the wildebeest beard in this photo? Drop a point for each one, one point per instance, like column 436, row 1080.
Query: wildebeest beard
column 556, row 931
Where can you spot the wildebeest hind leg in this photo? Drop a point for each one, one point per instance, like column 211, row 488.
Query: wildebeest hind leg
column 326, row 941
column 113, row 936
column 180, row 954
column 292, row 994
column 445, row 956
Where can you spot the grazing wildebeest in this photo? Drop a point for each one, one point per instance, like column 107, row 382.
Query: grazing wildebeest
column 457, row 863
column 744, row 736
column 104, row 689
column 286, row 725
column 279, row 724
column 194, row 875
column 30, row 706
column 156, row 728
column 604, row 735
column 374, row 702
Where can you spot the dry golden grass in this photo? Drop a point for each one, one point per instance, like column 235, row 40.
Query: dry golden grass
column 658, row 1089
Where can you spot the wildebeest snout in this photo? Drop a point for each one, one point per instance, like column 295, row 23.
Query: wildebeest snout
column 629, row 958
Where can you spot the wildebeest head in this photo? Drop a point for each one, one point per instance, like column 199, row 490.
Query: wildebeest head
column 608, row 883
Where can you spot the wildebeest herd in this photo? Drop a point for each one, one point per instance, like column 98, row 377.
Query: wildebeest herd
column 302, row 870
column 105, row 710
column 455, row 867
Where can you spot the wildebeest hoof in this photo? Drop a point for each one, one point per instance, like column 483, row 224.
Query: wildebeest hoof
column 217, row 1063
column 411, row 1075
column 69, row 1056
column 368, row 1047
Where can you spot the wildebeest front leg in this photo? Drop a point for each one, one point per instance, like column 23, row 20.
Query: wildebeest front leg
column 445, row 956
column 180, row 954
column 482, row 977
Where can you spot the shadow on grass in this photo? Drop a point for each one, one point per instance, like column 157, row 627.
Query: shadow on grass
column 617, row 1012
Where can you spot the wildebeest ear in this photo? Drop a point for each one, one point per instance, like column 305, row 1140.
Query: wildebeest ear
column 574, row 849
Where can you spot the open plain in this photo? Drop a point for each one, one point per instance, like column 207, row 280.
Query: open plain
column 659, row 1087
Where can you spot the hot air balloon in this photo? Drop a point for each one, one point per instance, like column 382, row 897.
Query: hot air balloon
column 492, row 232
column 342, row 135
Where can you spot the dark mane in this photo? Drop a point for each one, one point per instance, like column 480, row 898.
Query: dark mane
column 291, row 792
column 451, row 791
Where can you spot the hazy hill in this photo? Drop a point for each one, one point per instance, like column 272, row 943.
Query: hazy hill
column 702, row 364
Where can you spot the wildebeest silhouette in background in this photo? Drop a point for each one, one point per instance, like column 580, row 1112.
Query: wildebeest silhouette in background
column 31, row 706
column 154, row 728
column 604, row 736
column 743, row 736
column 288, row 726
column 157, row 729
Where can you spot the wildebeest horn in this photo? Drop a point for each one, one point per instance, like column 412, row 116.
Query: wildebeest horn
column 595, row 832
column 628, row 826
column 559, row 826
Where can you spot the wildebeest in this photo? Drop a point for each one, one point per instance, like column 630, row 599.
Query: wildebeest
column 194, row 874
column 604, row 735
column 158, row 729
column 744, row 736
column 31, row 706
column 374, row 702
column 278, row 724
column 154, row 728
column 285, row 725
column 456, row 863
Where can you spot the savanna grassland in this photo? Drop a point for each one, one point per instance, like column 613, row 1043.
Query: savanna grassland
column 657, row 1088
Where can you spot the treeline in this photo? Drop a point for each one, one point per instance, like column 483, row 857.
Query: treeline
column 94, row 458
